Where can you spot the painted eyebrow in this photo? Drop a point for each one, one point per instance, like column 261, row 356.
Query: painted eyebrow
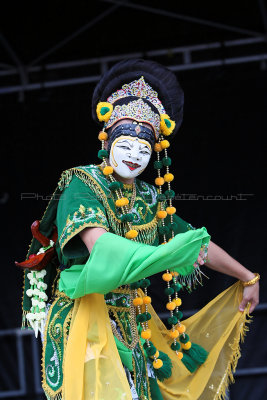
column 124, row 141
column 146, row 147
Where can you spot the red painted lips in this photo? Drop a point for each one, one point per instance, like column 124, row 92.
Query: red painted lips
column 131, row 165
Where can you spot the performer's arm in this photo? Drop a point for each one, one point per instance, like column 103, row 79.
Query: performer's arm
column 90, row 235
column 219, row 260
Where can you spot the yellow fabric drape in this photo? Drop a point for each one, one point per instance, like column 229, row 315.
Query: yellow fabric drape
column 93, row 369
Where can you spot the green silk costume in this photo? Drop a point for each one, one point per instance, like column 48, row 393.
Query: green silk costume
column 84, row 200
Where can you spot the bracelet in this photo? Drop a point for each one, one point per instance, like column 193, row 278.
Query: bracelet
column 252, row 281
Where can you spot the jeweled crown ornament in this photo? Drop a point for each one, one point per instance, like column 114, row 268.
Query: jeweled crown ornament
column 148, row 108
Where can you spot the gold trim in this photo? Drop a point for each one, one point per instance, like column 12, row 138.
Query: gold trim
column 81, row 227
column 118, row 309
column 55, row 395
column 103, row 196
column 122, row 290
column 145, row 361
column 126, row 339
column 228, row 376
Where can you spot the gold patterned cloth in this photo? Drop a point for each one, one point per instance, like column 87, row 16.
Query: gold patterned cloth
column 92, row 360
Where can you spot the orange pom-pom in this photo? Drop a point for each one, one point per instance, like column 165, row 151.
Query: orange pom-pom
column 147, row 300
column 108, row 170
column 167, row 277
column 157, row 147
column 174, row 273
column 157, row 364
column 181, row 328
column 131, row 234
column 122, row 202
column 164, row 144
column 174, row 334
column 155, row 355
column 171, row 210
column 186, row 346
column 171, row 306
column 168, row 177
column 161, row 214
column 146, row 334
column 138, row 301
column 159, row 181
column 179, row 355
column 103, row 135
column 178, row 302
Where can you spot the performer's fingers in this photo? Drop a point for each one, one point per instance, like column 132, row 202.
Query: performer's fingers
column 200, row 260
column 243, row 304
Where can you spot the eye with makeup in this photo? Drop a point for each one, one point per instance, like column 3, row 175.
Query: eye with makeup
column 144, row 151
column 121, row 146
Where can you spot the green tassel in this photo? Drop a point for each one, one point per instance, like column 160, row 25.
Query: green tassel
column 165, row 371
column 157, row 164
column 166, row 161
column 144, row 283
column 102, row 153
column 197, row 353
column 114, row 185
column 189, row 363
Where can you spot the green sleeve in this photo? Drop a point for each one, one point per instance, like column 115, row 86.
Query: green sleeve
column 78, row 208
column 181, row 226
column 115, row 261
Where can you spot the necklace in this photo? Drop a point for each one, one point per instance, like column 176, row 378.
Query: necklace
column 133, row 325
column 133, row 197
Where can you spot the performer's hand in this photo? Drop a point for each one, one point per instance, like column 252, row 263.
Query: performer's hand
column 200, row 259
column 250, row 295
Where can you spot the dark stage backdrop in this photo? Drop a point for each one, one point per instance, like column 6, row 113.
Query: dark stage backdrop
column 219, row 152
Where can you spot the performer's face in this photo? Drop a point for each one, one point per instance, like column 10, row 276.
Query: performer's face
column 129, row 156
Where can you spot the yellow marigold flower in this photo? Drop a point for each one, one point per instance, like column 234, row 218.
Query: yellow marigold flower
column 108, row 170
column 171, row 306
column 157, row 364
column 187, row 345
column 157, row 147
column 131, row 234
column 155, row 355
column 138, row 301
column 167, row 277
column 171, row 210
column 165, row 144
column 146, row 334
column 122, row 202
column 147, row 300
column 174, row 334
column 178, row 302
column 159, row 181
column 168, row 177
column 103, row 135
column 161, row 214
column 166, row 124
column 104, row 111
column 181, row 328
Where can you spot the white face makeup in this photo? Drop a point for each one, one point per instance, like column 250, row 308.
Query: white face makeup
column 129, row 156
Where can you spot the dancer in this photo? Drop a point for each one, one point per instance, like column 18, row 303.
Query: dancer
column 104, row 233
